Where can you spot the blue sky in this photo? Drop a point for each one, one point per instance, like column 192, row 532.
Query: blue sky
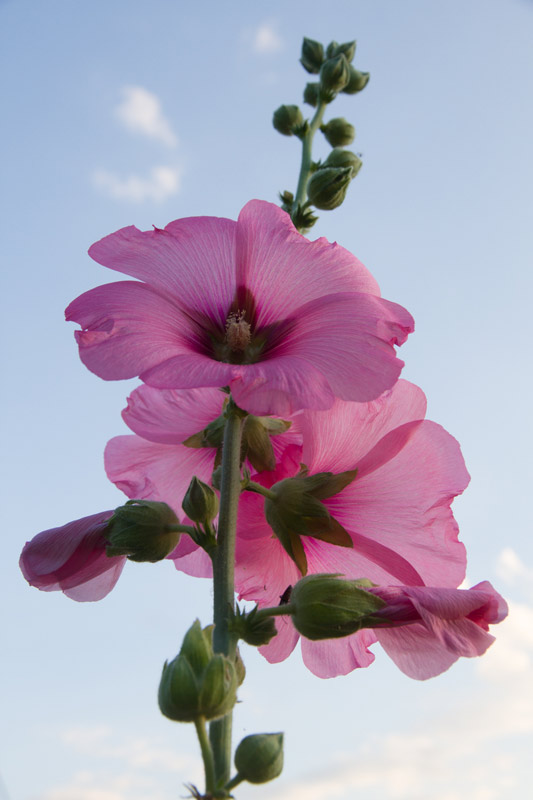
column 129, row 112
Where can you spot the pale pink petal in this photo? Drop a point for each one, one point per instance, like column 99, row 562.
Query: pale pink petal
column 329, row 658
column 146, row 470
column 281, row 386
column 198, row 564
column 169, row 416
column 349, row 338
column 281, row 646
column 127, row 328
column 336, row 440
column 416, row 651
column 98, row 587
column 405, row 505
column 191, row 260
column 284, row 270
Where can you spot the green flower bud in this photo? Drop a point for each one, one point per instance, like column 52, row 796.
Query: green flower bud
column 335, row 74
column 312, row 94
column 250, row 629
column 328, row 186
column 303, row 219
column 338, row 131
column 200, row 502
column 286, row 198
column 293, row 509
column 343, row 158
column 197, row 683
column 259, row 758
column 256, row 441
column 312, row 55
column 326, row 607
column 357, row 82
column 142, row 530
column 286, row 119
column 347, row 49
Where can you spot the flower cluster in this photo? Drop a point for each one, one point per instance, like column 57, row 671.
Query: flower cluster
column 342, row 473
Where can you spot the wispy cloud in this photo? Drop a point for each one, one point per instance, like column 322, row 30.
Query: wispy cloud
column 266, row 39
column 160, row 184
column 140, row 111
column 512, row 569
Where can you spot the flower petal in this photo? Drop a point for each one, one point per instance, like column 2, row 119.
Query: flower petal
column 191, row 261
column 329, row 658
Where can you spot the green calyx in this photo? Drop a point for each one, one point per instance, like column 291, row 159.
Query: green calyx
column 287, row 119
column 253, row 630
column 143, row 530
column 357, row 81
column 198, row 682
column 293, row 509
column 312, row 55
column 200, row 502
column 339, row 132
column 327, row 187
column 343, row 158
column 335, row 74
column 327, row 607
column 259, row 757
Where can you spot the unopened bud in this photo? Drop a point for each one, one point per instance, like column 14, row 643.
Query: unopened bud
column 253, row 630
column 327, row 607
column 344, row 158
column 335, row 73
column 312, row 94
column 259, row 757
column 347, row 49
column 197, row 683
column 200, row 502
column 338, row 131
column 286, row 198
column 287, row 119
column 303, row 219
column 312, row 55
column 142, row 530
column 357, row 82
column 327, row 187
column 256, row 442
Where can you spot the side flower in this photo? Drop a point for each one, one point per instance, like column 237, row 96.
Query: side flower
column 284, row 322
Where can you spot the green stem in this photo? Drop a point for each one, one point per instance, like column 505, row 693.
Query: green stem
column 275, row 611
column 234, row 782
column 223, row 577
column 207, row 754
column 252, row 486
column 307, row 146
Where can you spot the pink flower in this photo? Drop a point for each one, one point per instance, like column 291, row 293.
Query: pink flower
column 432, row 628
column 73, row 559
column 284, row 322
column 396, row 512
column 154, row 464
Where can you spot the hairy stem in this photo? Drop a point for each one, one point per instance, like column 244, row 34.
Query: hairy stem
column 307, row 146
column 223, row 577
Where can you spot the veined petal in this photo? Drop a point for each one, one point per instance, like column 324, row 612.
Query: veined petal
column 349, row 338
column 191, row 261
column 128, row 327
column 146, row 470
column 170, row 416
column 329, row 658
column 284, row 270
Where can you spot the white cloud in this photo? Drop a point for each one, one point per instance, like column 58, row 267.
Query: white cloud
column 160, row 184
column 266, row 39
column 140, row 111
column 510, row 568
column 512, row 652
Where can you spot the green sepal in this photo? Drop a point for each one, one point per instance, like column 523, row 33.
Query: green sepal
column 253, row 631
column 142, row 530
column 357, row 81
column 335, row 73
column 338, row 131
column 312, row 55
column 347, row 49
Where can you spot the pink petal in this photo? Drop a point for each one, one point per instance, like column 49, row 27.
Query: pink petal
column 145, row 470
column 405, row 505
column 127, row 328
column 281, row 646
column 415, row 651
column 198, row 564
column 349, row 338
column 329, row 658
column 337, row 440
column 170, row 416
column 284, row 270
column 191, row 261
column 190, row 371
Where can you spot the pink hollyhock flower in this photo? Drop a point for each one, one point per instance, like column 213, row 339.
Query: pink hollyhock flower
column 431, row 628
column 284, row 322
column 396, row 512
column 73, row 559
column 155, row 464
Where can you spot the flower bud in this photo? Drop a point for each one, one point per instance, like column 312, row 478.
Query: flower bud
column 286, row 119
column 326, row 607
column 197, row 683
column 256, row 441
column 287, row 199
column 357, row 82
column 328, row 186
column 312, row 55
column 253, row 631
column 347, row 49
column 344, row 158
column 303, row 219
column 259, row 757
column 311, row 94
column 142, row 530
column 338, row 131
column 200, row 502
column 335, row 74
